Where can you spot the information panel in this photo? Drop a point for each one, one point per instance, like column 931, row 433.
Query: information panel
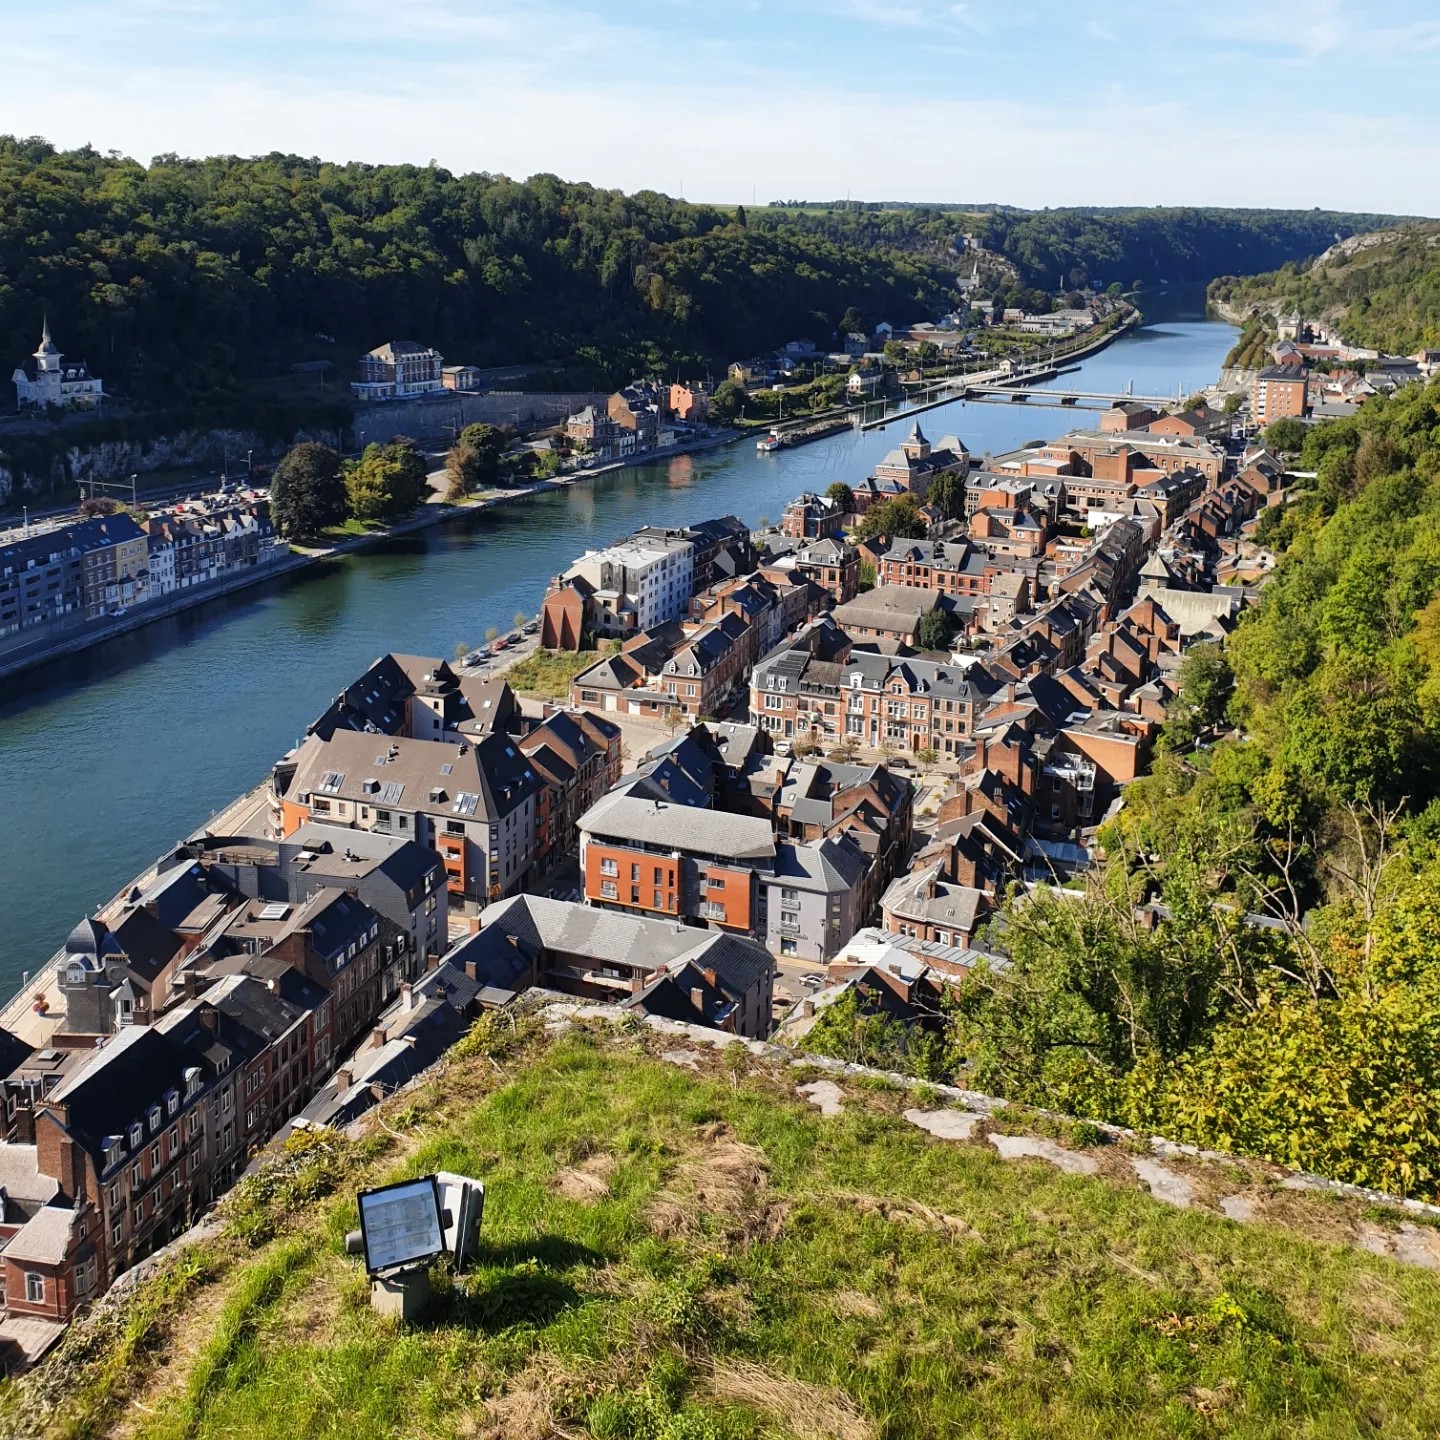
column 401, row 1224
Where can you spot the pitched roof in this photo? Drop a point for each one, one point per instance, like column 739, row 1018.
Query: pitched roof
column 679, row 827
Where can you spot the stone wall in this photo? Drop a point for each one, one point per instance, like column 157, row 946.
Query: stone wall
column 434, row 419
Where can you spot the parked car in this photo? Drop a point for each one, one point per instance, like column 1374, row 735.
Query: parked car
column 812, row 980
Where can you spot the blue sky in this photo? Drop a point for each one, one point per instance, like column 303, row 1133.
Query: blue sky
column 1030, row 102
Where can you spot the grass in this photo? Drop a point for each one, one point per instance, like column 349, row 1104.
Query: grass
column 677, row 1254
column 353, row 527
column 547, row 673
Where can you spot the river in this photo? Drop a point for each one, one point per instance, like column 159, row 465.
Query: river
column 109, row 758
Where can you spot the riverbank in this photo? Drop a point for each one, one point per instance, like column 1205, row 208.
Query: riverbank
column 437, row 512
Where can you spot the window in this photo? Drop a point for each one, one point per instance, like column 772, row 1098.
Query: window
column 609, row 890
column 790, row 918
column 659, row 900
column 174, row 1141
column 609, row 867
column 154, row 1157
column 34, row 1288
column 715, row 882
column 714, row 911
column 115, row 1233
column 790, row 897
column 172, row 1102
column 137, row 1175
column 635, row 872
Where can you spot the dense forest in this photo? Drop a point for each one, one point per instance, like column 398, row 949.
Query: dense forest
column 180, row 280
column 1383, row 290
column 185, row 279
column 1065, row 249
column 1284, row 1000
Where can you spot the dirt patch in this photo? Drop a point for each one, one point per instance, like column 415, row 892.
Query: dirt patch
column 721, row 1178
column 808, row 1412
column 587, row 1182
column 853, row 1305
column 521, row 1413
column 906, row 1212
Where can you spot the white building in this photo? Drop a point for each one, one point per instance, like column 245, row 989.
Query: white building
column 639, row 583
column 398, row 370
column 46, row 382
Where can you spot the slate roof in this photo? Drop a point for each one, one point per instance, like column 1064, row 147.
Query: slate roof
column 958, row 906
column 131, row 1072
column 492, row 769
column 830, row 866
column 44, row 1239
column 564, row 927
column 619, row 816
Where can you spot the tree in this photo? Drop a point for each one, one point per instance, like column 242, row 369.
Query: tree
column 473, row 462
column 1285, row 436
column 947, row 495
column 867, row 575
column 729, row 399
column 387, row 481
column 308, row 491
column 1233, row 401
column 852, row 322
column 1114, row 289
column 894, row 519
column 933, row 631
column 843, row 496
column 1206, row 683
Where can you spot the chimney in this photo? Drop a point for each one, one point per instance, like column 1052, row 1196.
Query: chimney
column 697, row 998
column 377, row 1037
column 407, row 997
column 472, row 969
column 807, row 1008
column 343, row 1078
column 637, row 984
column 779, row 776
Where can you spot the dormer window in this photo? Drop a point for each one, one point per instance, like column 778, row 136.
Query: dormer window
column 172, row 1101
column 154, row 1117
column 137, row 1135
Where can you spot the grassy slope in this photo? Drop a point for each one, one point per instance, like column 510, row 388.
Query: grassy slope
column 679, row 1254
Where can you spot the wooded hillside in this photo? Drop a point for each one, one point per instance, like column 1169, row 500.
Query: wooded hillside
column 180, row 281
column 1381, row 290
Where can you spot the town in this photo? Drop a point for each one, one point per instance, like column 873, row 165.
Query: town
column 790, row 764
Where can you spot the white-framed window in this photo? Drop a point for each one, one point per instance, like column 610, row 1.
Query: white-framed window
column 34, row 1287
column 609, row 890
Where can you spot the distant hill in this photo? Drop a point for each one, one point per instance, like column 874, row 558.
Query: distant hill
column 1053, row 250
column 677, row 1246
column 1381, row 289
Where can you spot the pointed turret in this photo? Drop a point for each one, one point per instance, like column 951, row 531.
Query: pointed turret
column 47, row 357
